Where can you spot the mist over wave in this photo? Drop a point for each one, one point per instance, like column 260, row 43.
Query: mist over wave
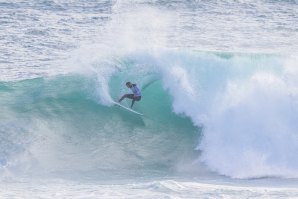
column 39, row 36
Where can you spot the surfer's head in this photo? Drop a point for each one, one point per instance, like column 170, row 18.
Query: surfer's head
column 128, row 84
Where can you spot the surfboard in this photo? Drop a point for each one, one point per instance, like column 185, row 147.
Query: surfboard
column 129, row 109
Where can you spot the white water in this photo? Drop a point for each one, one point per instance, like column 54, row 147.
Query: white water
column 246, row 105
column 154, row 189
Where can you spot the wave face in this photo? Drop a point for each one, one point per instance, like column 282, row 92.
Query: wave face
column 234, row 113
column 56, row 126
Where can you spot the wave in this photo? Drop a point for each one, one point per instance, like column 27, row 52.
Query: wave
column 234, row 113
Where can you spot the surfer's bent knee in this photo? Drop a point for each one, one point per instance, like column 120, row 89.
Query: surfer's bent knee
column 138, row 98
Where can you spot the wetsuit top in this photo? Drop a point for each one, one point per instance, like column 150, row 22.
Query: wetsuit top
column 136, row 91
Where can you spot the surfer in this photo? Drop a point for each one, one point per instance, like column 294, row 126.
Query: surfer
column 135, row 96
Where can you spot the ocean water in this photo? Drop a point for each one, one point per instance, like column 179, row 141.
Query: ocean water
column 220, row 99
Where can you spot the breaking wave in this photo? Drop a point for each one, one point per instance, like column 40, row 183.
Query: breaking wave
column 234, row 113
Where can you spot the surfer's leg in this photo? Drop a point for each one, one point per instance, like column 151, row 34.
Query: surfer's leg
column 130, row 96
column 132, row 102
column 135, row 99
